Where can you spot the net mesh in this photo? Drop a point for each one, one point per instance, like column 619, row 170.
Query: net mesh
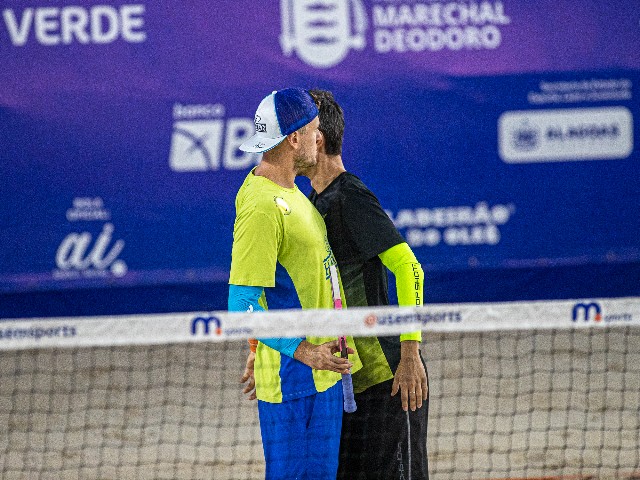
column 508, row 403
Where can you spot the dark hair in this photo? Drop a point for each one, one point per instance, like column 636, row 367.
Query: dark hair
column 331, row 120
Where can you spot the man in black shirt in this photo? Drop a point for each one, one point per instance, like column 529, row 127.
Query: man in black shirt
column 386, row 437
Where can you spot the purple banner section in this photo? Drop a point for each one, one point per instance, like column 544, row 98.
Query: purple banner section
column 497, row 134
column 153, row 50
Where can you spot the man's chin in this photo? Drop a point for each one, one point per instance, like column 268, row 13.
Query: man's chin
column 307, row 170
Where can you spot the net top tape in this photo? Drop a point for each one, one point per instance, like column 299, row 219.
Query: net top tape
column 218, row 326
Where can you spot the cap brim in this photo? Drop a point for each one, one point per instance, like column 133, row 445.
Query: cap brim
column 260, row 144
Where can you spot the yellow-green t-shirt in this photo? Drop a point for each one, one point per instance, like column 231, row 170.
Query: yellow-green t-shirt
column 280, row 243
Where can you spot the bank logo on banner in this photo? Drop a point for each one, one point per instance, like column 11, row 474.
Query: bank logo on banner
column 323, row 31
column 602, row 133
column 204, row 140
column 90, row 252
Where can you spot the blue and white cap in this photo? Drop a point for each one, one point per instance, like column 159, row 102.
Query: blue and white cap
column 279, row 114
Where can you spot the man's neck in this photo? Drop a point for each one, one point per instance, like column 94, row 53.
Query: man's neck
column 281, row 173
column 328, row 168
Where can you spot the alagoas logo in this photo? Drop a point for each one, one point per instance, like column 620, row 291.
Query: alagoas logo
column 203, row 139
column 565, row 134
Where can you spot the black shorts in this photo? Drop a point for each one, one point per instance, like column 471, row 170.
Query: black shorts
column 380, row 441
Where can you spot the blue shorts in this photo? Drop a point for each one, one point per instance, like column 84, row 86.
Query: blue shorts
column 301, row 437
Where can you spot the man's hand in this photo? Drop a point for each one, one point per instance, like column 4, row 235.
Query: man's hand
column 410, row 378
column 321, row 357
column 250, row 387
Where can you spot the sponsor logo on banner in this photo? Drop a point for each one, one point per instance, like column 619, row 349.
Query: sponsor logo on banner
column 323, row 33
column 604, row 133
column 425, row 318
column 38, row 332
column 593, row 312
column 87, row 253
column 454, row 226
column 52, row 26
column 203, row 139
column 208, row 325
column 585, row 310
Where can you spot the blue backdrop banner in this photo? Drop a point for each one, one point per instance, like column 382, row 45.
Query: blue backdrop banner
column 498, row 135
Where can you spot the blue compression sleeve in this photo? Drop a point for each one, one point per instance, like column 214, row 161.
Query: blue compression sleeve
column 244, row 298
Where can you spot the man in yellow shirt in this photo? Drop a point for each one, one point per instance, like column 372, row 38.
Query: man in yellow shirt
column 281, row 259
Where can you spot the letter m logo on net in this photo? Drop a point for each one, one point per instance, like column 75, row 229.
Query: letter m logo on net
column 583, row 311
column 206, row 323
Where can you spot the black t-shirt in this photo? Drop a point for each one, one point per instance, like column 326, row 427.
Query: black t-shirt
column 359, row 230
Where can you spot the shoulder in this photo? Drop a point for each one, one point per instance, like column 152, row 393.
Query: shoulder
column 352, row 187
column 255, row 198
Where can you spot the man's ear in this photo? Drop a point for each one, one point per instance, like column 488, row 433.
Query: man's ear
column 294, row 139
column 320, row 141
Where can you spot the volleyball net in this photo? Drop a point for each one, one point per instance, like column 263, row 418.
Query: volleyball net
column 547, row 389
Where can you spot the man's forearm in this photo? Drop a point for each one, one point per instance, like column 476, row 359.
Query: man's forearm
column 401, row 261
column 409, row 348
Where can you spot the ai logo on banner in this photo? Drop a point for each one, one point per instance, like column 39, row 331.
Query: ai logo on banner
column 322, row 32
column 79, row 256
column 204, row 140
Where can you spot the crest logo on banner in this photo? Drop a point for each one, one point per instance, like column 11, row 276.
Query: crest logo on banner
column 322, row 32
column 204, row 140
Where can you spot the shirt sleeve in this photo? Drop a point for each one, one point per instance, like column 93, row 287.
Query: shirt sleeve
column 402, row 262
column 244, row 299
column 256, row 240
column 370, row 228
